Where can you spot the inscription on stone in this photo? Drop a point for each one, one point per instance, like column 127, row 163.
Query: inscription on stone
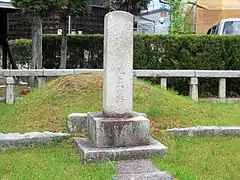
column 118, row 64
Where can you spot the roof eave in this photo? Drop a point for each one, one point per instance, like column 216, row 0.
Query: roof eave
column 7, row 6
column 155, row 11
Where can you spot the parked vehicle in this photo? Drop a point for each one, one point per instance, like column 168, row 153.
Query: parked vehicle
column 226, row 27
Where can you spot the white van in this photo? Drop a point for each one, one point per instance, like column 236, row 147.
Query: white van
column 229, row 26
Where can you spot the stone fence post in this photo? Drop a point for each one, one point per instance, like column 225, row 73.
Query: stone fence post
column 194, row 88
column 222, row 89
column 164, row 83
column 10, row 82
column 41, row 81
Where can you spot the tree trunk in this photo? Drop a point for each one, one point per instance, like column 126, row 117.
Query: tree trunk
column 64, row 47
column 36, row 45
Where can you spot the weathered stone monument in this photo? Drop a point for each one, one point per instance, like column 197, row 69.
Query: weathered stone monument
column 117, row 132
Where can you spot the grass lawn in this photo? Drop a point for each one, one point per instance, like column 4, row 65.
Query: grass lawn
column 208, row 158
column 47, row 107
column 54, row 161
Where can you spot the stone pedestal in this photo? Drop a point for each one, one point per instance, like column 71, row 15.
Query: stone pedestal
column 118, row 139
column 118, row 132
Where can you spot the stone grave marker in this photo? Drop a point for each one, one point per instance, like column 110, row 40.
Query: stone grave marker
column 117, row 132
column 118, row 65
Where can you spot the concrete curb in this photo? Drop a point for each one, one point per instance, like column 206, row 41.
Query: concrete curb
column 205, row 131
column 17, row 140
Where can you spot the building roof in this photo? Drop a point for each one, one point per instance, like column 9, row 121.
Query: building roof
column 6, row 4
column 230, row 19
column 143, row 18
column 155, row 11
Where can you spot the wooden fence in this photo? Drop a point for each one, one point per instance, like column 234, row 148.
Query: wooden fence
column 193, row 75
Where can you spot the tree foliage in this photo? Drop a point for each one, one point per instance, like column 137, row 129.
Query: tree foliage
column 132, row 6
column 73, row 7
column 69, row 8
column 177, row 16
column 36, row 7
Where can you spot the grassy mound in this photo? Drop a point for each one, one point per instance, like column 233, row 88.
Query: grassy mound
column 47, row 107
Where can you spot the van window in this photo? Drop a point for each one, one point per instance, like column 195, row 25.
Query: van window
column 214, row 29
column 231, row 28
column 209, row 31
column 217, row 28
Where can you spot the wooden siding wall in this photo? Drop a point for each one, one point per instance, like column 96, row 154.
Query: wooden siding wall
column 20, row 24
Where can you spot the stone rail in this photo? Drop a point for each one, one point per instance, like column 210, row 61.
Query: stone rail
column 42, row 75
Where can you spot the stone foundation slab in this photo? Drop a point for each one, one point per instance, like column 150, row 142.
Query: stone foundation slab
column 91, row 154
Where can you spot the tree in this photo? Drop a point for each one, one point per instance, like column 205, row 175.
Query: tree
column 178, row 19
column 72, row 8
column 177, row 16
column 37, row 9
column 132, row 6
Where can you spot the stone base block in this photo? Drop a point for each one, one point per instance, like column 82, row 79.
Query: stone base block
column 91, row 154
column 118, row 132
column 77, row 122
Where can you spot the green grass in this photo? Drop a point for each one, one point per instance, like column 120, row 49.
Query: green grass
column 47, row 107
column 55, row 161
column 211, row 158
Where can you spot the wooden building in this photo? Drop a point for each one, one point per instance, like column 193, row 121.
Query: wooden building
column 6, row 7
column 92, row 23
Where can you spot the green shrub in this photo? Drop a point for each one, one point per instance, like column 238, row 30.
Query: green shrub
column 85, row 51
column 21, row 51
column 150, row 52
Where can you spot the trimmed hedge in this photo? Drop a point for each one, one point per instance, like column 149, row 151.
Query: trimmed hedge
column 150, row 52
column 21, row 51
column 79, row 47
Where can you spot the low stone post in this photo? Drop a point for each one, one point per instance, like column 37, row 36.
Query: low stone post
column 41, row 81
column 164, row 83
column 194, row 88
column 10, row 90
column 222, row 89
